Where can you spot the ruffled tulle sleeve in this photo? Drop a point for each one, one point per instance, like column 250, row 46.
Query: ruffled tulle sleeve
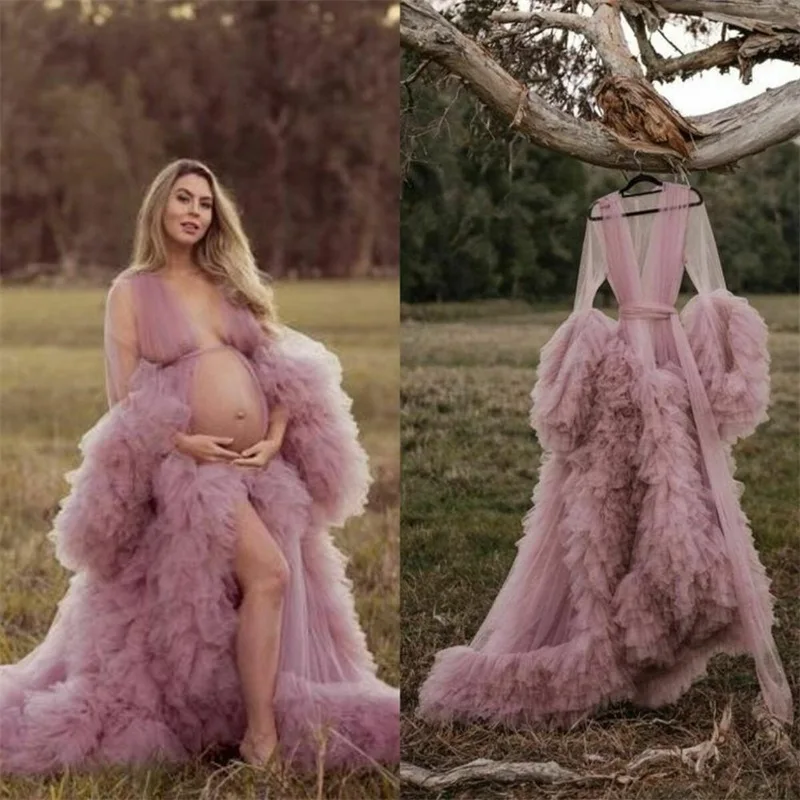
column 562, row 395
column 120, row 340
column 99, row 522
column 321, row 439
column 728, row 338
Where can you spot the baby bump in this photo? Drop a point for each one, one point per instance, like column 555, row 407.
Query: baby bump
column 226, row 398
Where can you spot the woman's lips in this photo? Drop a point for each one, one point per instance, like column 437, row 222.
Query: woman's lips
column 190, row 227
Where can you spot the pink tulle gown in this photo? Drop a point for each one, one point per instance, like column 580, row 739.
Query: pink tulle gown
column 139, row 663
column 637, row 563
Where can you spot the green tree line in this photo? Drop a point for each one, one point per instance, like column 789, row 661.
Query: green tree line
column 484, row 214
column 292, row 103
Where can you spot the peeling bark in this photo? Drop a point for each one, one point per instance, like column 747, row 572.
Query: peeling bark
column 766, row 16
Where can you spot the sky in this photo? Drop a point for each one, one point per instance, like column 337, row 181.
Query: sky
column 710, row 90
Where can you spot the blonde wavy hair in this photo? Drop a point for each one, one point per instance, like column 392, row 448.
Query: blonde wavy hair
column 224, row 252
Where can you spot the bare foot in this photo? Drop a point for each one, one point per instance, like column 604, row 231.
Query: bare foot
column 259, row 750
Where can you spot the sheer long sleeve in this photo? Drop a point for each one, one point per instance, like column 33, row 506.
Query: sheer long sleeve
column 593, row 268
column 700, row 252
column 121, row 341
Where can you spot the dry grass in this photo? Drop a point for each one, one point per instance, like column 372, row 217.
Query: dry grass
column 52, row 392
column 469, row 465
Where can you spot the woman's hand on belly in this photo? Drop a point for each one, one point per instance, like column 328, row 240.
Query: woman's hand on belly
column 260, row 454
column 204, row 448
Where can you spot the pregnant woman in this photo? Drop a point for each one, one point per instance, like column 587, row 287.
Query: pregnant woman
column 209, row 605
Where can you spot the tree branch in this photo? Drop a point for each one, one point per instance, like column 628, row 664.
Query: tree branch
column 765, row 16
column 650, row 58
column 603, row 29
column 742, row 52
column 547, row 19
column 731, row 133
column 417, row 72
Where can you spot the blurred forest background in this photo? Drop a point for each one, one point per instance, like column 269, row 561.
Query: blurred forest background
column 293, row 104
column 485, row 215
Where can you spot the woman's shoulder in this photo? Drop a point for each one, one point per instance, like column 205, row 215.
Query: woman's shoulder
column 125, row 280
column 128, row 290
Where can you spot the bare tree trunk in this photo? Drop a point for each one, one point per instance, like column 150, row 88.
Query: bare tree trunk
column 368, row 232
column 364, row 210
column 64, row 240
column 278, row 168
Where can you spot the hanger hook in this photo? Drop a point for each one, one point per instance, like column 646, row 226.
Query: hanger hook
column 675, row 169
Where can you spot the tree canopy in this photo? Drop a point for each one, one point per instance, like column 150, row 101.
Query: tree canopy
column 485, row 213
column 98, row 96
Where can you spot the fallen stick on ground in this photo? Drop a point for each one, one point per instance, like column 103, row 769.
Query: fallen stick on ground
column 550, row 772
column 698, row 755
column 484, row 769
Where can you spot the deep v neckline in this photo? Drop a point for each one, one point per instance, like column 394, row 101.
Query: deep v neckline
column 640, row 266
column 189, row 327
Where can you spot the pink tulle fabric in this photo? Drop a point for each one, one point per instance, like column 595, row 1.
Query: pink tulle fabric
column 139, row 662
column 637, row 563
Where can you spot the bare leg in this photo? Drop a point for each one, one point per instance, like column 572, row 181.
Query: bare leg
column 262, row 574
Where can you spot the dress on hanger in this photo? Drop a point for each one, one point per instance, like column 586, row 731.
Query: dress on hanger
column 139, row 662
column 637, row 563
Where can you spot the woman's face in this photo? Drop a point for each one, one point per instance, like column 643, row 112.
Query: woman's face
column 189, row 210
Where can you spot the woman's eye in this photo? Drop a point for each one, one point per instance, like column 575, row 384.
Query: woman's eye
column 185, row 199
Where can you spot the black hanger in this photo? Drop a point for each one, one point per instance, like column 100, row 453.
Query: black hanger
column 643, row 177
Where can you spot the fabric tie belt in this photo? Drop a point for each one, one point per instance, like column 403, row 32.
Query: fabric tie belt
column 755, row 616
column 198, row 351
column 646, row 311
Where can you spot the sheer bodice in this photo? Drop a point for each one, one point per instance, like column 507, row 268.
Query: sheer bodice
column 146, row 320
column 695, row 247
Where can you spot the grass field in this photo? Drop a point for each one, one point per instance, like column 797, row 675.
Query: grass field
column 52, row 391
column 470, row 462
